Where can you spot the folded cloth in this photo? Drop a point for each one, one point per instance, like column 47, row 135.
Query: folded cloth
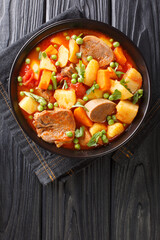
column 47, row 166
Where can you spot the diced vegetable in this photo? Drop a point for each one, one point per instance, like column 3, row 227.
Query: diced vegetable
column 81, row 101
column 133, row 79
column 45, row 79
column 85, row 138
column 35, row 67
column 103, row 79
column 91, row 72
column 51, row 50
column 125, row 94
column 73, row 49
column 126, row 111
column 81, row 117
column 65, row 98
column 97, row 127
column 63, row 55
column 112, row 73
column 57, row 40
column 120, row 57
column 29, row 105
column 115, row 130
column 46, row 63
column 96, row 94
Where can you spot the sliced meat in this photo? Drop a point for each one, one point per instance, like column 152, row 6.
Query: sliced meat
column 68, row 71
column 85, row 139
column 46, row 94
column 52, row 126
column 99, row 50
column 99, row 109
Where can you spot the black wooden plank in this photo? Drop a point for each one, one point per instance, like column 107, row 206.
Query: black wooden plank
column 20, row 191
column 79, row 208
column 135, row 186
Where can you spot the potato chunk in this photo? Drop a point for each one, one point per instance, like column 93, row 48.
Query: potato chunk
column 126, row 111
column 35, row 67
column 65, row 98
column 73, row 49
column 91, row 72
column 97, row 127
column 28, row 104
column 115, row 130
column 96, row 94
column 133, row 79
column 63, row 55
column 46, row 63
column 125, row 94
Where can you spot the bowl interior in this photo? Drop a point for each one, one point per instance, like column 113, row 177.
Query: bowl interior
column 83, row 24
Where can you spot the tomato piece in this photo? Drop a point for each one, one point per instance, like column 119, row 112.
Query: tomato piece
column 79, row 88
column 28, row 77
column 52, row 99
column 59, row 77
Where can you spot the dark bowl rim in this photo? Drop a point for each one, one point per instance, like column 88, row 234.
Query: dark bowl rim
column 77, row 20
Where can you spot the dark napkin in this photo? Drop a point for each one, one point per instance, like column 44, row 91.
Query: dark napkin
column 48, row 166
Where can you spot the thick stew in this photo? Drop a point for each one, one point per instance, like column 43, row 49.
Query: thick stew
column 79, row 89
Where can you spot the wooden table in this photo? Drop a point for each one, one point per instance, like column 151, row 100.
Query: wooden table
column 105, row 200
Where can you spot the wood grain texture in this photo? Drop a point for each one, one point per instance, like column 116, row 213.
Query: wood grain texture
column 20, row 191
column 135, row 186
column 79, row 208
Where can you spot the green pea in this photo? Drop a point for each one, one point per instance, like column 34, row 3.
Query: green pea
column 69, row 134
column 74, row 75
column 111, row 39
column 80, row 80
column 104, row 139
column 44, row 54
column 50, row 87
column 124, row 124
column 85, row 98
column 111, row 122
column 65, row 33
column 112, row 64
column 76, row 140
column 96, row 86
column 50, row 105
column 79, row 41
column 36, row 71
column 114, row 117
column 116, row 44
column 106, row 95
column 55, row 104
column 108, row 118
column 140, row 91
column 37, row 49
column 55, row 46
column 28, row 60
column 116, row 64
column 21, row 94
column 67, row 37
column 74, row 37
column 31, row 90
column 111, row 98
column 30, row 117
column 53, row 73
column 77, row 146
column 54, row 57
column 57, row 63
column 20, row 84
column 89, row 58
column 79, row 55
column 73, row 81
column 103, row 131
column 43, row 102
column 40, row 108
column 19, row 79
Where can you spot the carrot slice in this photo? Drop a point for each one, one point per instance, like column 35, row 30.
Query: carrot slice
column 81, row 117
column 51, row 50
column 45, row 79
column 103, row 80
column 120, row 58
